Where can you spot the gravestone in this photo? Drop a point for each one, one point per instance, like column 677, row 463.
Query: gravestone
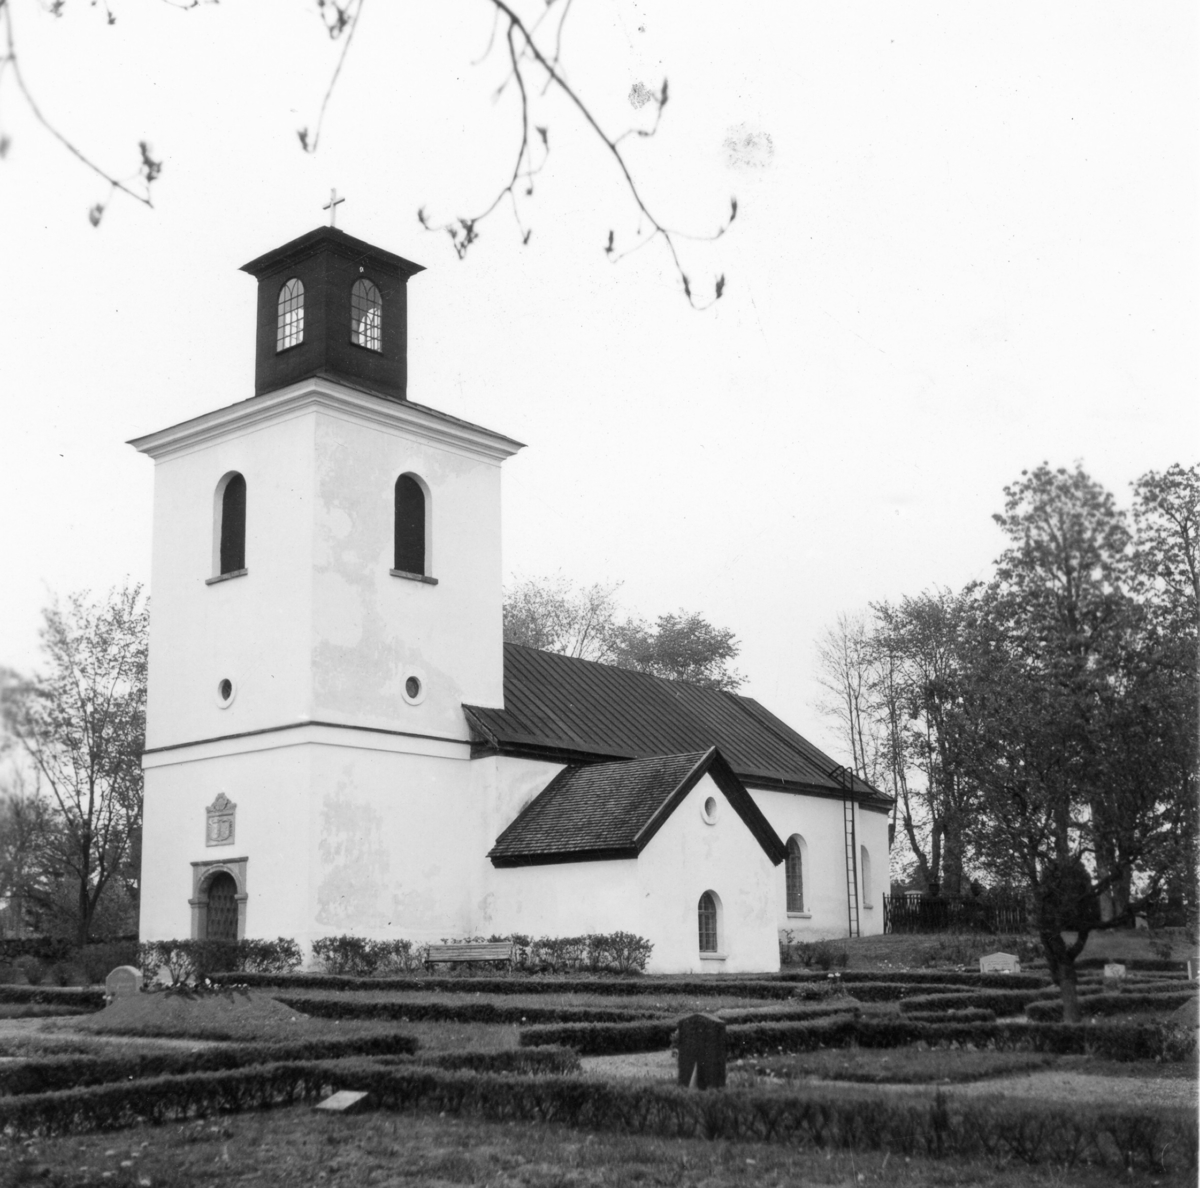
column 999, row 963
column 344, row 1101
column 124, row 981
column 702, row 1052
column 1140, row 922
column 1192, row 971
column 1114, row 971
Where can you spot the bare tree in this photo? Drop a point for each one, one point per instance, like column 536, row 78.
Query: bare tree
column 532, row 45
column 847, row 670
column 81, row 725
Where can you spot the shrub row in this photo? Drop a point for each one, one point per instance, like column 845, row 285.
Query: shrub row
column 67, row 996
column 1146, row 964
column 966, row 978
column 697, row 988
column 62, row 1072
column 193, row 960
column 65, row 1072
column 969, row 1015
column 997, row 1129
column 1000, row 1002
column 1112, row 1004
column 462, row 1011
column 1111, row 1041
column 360, row 957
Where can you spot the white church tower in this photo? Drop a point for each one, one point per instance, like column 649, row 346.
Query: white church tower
column 326, row 584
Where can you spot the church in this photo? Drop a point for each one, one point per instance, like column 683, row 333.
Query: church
column 338, row 740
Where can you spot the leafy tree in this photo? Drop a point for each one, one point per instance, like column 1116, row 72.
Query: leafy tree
column 1063, row 699
column 554, row 615
column 81, row 727
column 26, row 869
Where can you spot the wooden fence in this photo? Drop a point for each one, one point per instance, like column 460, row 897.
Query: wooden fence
column 915, row 912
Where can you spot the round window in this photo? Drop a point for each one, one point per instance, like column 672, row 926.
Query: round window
column 413, row 689
column 226, row 692
column 709, row 810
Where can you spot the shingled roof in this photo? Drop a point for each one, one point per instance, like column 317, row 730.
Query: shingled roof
column 612, row 810
column 577, row 711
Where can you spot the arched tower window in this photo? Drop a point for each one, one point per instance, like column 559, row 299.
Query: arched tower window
column 410, row 526
column 864, row 864
column 366, row 316
column 289, row 324
column 795, row 873
column 231, row 531
column 707, row 913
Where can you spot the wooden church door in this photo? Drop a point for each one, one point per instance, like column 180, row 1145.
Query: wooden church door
column 222, row 920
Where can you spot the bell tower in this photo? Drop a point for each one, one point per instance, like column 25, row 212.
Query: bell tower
column 333, row 306
column 327, row 595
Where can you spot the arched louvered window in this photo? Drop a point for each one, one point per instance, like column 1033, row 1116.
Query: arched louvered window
column 410, row 526
column 707, row 913
column 366, row 316
column 795, row 874
column 289, row 324
column 864, row 866
column 233, row 524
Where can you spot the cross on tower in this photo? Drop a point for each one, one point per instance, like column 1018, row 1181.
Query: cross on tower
column 332, row 205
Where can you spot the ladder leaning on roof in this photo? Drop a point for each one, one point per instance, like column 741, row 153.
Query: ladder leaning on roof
column 843, row 777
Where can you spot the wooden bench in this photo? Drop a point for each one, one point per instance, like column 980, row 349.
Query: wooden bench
column 504, row 951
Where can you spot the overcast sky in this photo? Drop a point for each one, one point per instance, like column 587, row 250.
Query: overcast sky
column 966, row 243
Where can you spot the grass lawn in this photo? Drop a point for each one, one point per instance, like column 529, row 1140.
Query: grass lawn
column 296, row 1147
column 890, row 1066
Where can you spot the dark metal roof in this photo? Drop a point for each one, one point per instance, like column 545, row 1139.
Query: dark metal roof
column 612, row 810
column 558, row 707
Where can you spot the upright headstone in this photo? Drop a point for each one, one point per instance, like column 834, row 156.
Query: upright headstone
column 123, row 981
column 1140, row 922
column 1114, row 971
column 702, row 1052
column 999, row 963
column 1192, row 971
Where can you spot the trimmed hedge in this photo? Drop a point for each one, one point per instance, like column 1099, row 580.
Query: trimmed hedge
column 995, row 1128
column 537, row 984
column 966, row 978
column 1146, row 964
column 72, row 996
column 603, row 1039
column 462, row 1011
column 1112, row 1041
column 1000, row 1002
column 970, row 1015
column 1112, row 1004
column 66, row 1072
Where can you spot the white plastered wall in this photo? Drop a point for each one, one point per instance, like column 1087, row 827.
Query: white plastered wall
column 820, row 822
column 370, row 629
column 252, row 630
column 657, row 894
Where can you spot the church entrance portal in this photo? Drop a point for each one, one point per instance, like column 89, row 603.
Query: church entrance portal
column 222, row 915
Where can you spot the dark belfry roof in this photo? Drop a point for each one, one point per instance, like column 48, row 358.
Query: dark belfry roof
column 560, row 708
column 612, row 810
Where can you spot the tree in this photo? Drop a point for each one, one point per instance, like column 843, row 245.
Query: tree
column 1064, row 700
column 1166, row 577
column 26, row 881
column 847, row 668
column 81, row 726
column 917, row 687
column 532, row 47
column 553, row 615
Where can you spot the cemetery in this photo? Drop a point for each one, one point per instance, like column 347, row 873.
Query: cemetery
column 866, row 1063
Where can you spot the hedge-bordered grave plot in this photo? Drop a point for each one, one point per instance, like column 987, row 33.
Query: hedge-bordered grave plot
column 509, row 1048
